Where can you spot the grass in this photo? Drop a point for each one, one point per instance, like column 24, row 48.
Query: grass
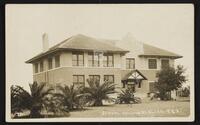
column 150, row 109
column 146, row 109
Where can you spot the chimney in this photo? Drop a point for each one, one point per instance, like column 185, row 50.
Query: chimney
column 45, row 42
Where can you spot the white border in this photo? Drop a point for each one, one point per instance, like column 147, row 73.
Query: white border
column 99, row 119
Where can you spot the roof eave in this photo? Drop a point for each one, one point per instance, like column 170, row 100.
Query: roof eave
column 161, row 56
column 71, row 49
column 41, row 55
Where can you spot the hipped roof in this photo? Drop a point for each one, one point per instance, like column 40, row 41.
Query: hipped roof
column 81, row 43
column 152, row 51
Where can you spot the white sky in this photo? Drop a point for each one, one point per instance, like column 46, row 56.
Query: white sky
column 166, row 26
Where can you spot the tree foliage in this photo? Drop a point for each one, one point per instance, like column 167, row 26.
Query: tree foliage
column 169, row 79
column 33, row 101
column 127, row 97
column 97, row 92
column 70, row 97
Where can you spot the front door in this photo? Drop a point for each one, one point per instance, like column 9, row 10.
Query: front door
column 131, row 87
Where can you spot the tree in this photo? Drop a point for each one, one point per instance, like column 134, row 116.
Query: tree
column 169, row 79
column 17, row 94
column 97, row 92
column 70, row 97
column 33, row 101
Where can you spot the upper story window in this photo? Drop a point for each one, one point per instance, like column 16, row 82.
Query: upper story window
column 109, row 78
column 41, row 66
column 94, row 77
column 108, row 60
column 78, row 80
column 93, row 59
column 77, row 59
column 152, row 63
column 36, row 67
column 130, row 63
column 50, row 63
column 164, row 63
column 57, row 61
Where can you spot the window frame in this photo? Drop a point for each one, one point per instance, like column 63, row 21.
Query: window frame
column 129, row 64
column 93, row 59
column 95, row 76
column 41, row 66
column 79, row 83
column 108, row 60
column 108, row 76
column 77, row 58
column 162, row 63
column 36, row 67
column 50, row 64
column 57, row 64
column 153, row 83
column 155, row 63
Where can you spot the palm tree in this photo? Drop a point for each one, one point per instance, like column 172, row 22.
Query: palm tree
column 97, row 92
column 33, row 101
column 127, row 97
column 16, row 99
column 70, row 97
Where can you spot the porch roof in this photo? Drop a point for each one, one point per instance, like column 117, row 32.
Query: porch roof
column 149, row 75
column 134, row 74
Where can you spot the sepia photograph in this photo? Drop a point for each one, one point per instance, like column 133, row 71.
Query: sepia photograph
column 99, row 62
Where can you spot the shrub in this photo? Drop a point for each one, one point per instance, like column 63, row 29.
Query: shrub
column 127, row 97
column 185, row 92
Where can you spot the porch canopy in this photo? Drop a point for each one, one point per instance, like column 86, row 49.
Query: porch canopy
column 133, row 77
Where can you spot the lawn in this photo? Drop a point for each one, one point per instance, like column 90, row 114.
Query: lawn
column 145, row 109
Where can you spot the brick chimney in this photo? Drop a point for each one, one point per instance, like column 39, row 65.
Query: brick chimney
column 45, row 42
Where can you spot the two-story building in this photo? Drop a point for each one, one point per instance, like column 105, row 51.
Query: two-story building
column 127, row 62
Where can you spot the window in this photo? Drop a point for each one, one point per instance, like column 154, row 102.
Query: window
column 152, row 87
column 109, row 78
column 41, row 66
column 108, row 60
column 78, row 80
column 57, row 61
column 152, row 64
column 36, row 68
column 50, row 63
column 130, row 63
column 94, row 77
column 164, row 63
column 77, row 59
column 93, row 59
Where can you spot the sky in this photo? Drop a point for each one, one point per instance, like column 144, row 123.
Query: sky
column 167, row 26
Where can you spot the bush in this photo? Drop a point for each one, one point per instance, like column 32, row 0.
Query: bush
column 185, row 92
column 127, row 97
